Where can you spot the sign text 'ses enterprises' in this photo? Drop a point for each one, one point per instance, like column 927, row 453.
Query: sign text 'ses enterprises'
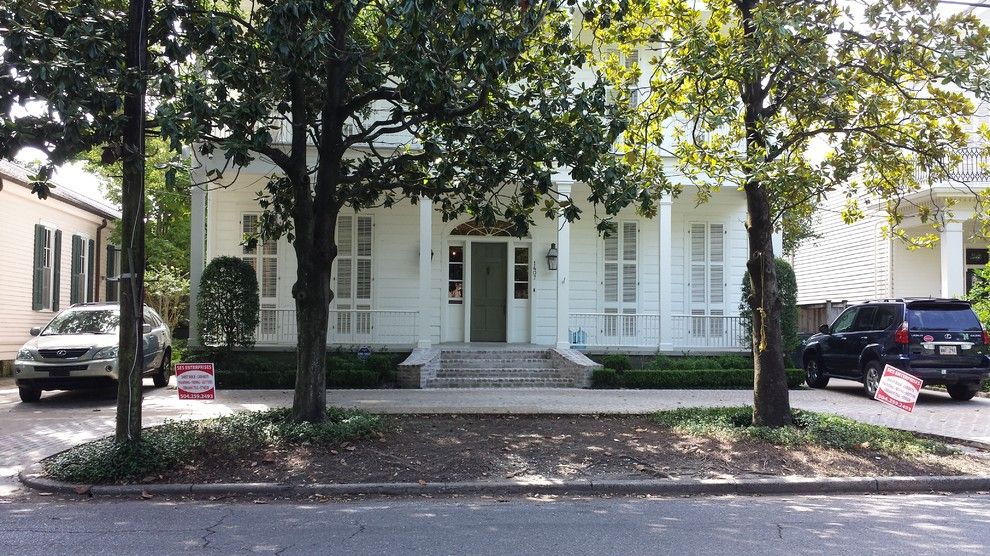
column 898, row 388
column 195, row 381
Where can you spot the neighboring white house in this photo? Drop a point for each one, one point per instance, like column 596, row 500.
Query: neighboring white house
column 53, row 253
column 858, row 262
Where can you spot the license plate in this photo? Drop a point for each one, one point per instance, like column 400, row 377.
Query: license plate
column 948, row 350
column 58, row 373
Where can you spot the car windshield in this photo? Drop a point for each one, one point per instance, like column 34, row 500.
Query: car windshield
column 955, row 319
column 84, row 322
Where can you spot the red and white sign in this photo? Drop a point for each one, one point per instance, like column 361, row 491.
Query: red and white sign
column 195, row 381
column 898, row 388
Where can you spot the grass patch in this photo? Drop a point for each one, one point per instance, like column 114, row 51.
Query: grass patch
column 810, row 429
column 175, row 443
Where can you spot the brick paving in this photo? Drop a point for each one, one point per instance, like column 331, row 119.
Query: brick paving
column 30, row 432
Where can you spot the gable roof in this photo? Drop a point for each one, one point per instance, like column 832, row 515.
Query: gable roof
column 12, row 172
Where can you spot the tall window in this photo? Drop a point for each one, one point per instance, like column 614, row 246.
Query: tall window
column 707, row 277
column 264, row 258
column 455, row 275
column 621, row 279
column 520, row 274
column 81, row 282
column 45, row 276
column 355, row 238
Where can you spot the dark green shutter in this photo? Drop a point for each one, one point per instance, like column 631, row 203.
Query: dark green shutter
column 111, row 273
column 38, row 280
column 90, row 271
column 75, row 287
column 56, row 270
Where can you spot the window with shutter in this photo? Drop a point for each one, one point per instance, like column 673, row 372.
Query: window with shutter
column 706, row 280
column 113, row 272
column 353, row 291
column 44, row 263
column 263, row 257
column 620, row 283
column 57, row 271
column 90, row 274
column 77, row 280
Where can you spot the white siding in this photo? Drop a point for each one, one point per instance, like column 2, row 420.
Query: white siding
column 847, row 262
column 19, row 212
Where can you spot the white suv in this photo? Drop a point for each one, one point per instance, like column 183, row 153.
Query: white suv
column 78, row 349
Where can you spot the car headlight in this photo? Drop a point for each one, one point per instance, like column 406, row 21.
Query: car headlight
column 25, row 355
column 106, row 353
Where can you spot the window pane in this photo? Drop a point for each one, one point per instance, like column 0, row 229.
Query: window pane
column 522, row 255
column 522, row 290
column 249, row 226
column 455, row 290
column 522, row 273
column 456, row 271
column 456, row 254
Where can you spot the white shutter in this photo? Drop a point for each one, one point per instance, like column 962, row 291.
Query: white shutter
column 620, row 285
column 699, row 271
column 355, row 240
column 269, row 276
column 345, row 235
column 716, row 262
column 611, row 285
column 344, row 278
column 629, row 285
column 364, row 236
column 363, row 279
column 249, row 226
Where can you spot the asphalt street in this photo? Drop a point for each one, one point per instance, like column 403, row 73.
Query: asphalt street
column 923, row 524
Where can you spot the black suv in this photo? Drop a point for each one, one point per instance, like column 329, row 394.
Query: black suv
column 937, row 340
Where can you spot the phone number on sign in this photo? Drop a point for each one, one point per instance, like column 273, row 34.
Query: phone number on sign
column 197, row 396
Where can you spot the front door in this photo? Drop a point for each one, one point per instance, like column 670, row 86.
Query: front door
column 488, row 286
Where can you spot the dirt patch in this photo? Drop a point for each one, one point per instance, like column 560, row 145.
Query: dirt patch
column 445, row 448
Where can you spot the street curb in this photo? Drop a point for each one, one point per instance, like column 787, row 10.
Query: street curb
column 32, row 478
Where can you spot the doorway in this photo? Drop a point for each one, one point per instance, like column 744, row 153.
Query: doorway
column 489, row 264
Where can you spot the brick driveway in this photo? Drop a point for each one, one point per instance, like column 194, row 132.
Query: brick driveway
column 30, row 432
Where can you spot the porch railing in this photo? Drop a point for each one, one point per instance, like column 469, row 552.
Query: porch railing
column 347, row 327
column 973, row 165
column 638, row 330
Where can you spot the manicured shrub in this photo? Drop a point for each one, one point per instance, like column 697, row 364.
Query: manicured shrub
column 700, row 362
column 618, row 362
column 384, row 365
column 787, row 286
column 684, row 378
column 228, row 303
column 732, row 362
column 605, row 378
column 352, row 378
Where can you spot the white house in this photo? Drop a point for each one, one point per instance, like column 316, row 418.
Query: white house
column 405, row 279
column 858, row 262
column 53, row 253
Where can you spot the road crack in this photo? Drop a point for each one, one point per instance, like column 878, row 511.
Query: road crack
column 212, row 530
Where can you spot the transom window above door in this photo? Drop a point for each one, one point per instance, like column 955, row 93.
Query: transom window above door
column 500, row 228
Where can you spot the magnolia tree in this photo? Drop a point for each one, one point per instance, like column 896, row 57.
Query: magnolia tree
column 470, row 104
column 787, row 101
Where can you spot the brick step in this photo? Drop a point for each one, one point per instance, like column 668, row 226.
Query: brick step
column 495, row 354
column 501, row 373
column 500, row 383
column 485, row 363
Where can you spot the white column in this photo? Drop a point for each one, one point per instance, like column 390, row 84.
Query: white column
column 563, row 275
column 665, row 308
column 952, row 260
column 197, row 257
column 425, row 323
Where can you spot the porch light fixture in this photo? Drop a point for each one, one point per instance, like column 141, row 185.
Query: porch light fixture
column 552, row 257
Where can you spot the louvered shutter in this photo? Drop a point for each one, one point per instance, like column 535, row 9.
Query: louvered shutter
column 629, row 239
column 699, row 274
column 57, row 271
column 90, row 274
column 611, row 284
column 38, row 276
column 75, row 284
column 362, row 285
column 111, row 273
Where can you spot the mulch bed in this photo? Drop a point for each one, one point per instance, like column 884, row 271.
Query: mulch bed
column 446, row 448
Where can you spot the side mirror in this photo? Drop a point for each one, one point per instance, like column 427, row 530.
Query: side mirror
column 35, row 330
column 824, row 329
column 146, row 328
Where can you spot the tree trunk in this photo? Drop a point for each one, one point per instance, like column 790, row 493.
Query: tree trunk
column 130, row 357
column 771, row 399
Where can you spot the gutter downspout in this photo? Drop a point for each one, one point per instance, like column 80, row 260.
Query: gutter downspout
column 97, row 264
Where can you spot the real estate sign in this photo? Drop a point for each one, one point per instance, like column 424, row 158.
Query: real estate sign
column 195, row 381
column 898, row 388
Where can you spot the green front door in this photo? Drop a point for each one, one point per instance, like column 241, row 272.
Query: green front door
column 488, row 285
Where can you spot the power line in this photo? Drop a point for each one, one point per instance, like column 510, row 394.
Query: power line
column 981, row 4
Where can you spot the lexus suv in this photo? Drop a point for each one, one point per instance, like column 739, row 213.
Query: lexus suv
column 78, row 349
column 937, row 340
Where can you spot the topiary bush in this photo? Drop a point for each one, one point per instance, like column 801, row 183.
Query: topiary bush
column 787, row 286
column 618, row 362
column 228, row 304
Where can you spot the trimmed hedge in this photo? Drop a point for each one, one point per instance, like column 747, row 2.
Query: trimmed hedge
column 698, row 362
column 238, row 371
column 619, row 361
column 694, row 378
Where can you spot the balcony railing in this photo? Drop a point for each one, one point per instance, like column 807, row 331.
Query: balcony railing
column 637, row 330
column 974, row 165
column 350, row 327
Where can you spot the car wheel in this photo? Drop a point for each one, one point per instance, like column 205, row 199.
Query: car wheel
column 871, row 378
column 813, row 373
column 961, row 392
column 28, row 394
column 161, row 375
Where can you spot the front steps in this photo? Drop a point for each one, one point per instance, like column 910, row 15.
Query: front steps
column 495, row 366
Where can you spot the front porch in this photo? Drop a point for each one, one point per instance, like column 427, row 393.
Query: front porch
column 396, row 330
